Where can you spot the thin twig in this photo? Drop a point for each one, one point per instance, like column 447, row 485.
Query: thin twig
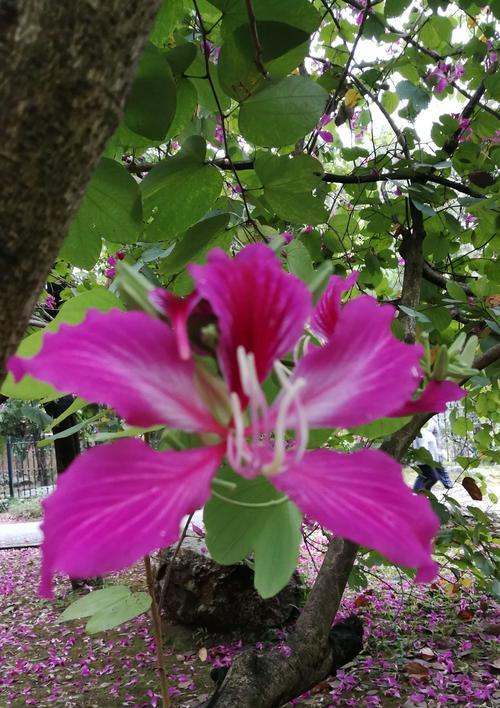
column 223, row 117
column 168, row 574
column 397, row 132
column 155, row 614
column 252, row 21
column 333, row 100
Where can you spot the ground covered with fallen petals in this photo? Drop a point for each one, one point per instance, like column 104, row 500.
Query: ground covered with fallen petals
column 424, row 646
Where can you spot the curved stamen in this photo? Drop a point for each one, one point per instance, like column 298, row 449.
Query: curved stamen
column 289, row 399
column 247, row 457
column 239, row 430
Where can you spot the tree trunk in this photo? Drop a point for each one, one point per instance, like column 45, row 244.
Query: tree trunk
column 66, row 450
column 270, row 681
column 66, row 70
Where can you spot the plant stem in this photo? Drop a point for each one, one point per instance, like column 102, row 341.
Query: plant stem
column 155, row 614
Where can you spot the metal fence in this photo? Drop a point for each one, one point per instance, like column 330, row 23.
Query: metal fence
column 26, row 470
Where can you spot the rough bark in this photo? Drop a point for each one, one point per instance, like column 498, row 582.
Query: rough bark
column 67, row 449
column 66, row 71
column 267, row 681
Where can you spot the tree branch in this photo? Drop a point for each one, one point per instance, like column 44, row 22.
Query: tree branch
column 433, row 276
column 255, row 38
column 452, row 143
column 333, row 178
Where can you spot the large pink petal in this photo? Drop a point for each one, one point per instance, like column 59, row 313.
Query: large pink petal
column 117, row 502
column 127, row 360
column 362, row 497
column 258, row 305
column 327, row 311
column 433, row 399
column 361, row 374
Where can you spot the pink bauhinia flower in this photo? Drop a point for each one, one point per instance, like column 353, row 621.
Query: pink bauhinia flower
column 121, row 500
column 441, row 76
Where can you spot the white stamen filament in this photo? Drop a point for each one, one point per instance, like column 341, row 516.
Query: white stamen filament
column 239, row 429
column 243, row 456
column 289, row 399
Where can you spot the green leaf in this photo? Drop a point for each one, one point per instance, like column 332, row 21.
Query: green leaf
column 436, row 31
column 169, row 15
column 492, row 84
column 77, row 405
column 181, row 57
column 287, row 186
column 354, row 153
column 235, row 529
column 424, row 208
column 419, row 316
column 282, row 112
column 72, row 312
column 456, row 291
column 439, row 317
column 131, row 431
column 111, row 209
column 95, row 601
column 299, row 261
column 194, row 242
column 179, row 191
column 395, row 8
column 187, row 100
column 298, row 13
column 150, row 107
column 125, row 609
column 380, row 428
column 238, row 73
column 390, row 100
column 417, row 97
column 70, row 431
column 196, row 73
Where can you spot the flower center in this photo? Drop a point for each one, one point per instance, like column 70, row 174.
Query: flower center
column 260, row 447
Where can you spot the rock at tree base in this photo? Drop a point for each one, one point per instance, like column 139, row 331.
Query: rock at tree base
column 202, row 593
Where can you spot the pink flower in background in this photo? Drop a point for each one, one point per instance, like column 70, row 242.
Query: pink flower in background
column 219, row 130
column 287, row 236
column 359, row 17
column 50, row 302
column 464, row 126
column 459, row 70
column 491, row 56
column 444, row 73
column 210, row 50
column 358, row 129
column 466, row 130
column 493, row 139
column 121, row 500
column 326, row 136
column 307, row 229
column 440, row 75
column 111, row 260
column 470, row 219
